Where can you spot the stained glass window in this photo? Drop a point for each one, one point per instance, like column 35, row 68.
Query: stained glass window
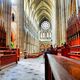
column 45, row 25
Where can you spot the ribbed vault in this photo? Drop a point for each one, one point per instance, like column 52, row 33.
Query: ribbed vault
column 41, row 9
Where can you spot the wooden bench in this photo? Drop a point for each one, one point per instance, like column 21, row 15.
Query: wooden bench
column 34, row 55
column 8, row 57
column 61, row 68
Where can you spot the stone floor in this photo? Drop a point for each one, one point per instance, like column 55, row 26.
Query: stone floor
column 26, row 69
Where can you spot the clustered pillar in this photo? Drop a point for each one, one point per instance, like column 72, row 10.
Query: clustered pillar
column 32, row 44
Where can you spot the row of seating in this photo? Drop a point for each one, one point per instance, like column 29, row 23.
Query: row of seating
column 33, row 55
column 8, row 56
column 68, row 51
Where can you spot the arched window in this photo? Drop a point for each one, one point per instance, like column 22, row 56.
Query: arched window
column 13, row 17
column 43, row 36
column 78, row 1
column 45, row 25
column 48, row 35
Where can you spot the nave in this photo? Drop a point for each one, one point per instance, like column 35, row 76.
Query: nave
column 26, row 69
column 31, row 28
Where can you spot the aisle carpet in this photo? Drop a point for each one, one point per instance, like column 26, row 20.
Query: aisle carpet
column 26, row 69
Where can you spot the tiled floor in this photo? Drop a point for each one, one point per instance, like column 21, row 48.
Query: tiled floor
column 26, row 69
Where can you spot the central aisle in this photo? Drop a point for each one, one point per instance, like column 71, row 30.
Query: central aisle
column 26, row 69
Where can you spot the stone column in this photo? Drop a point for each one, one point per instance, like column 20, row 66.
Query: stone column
column 57, row 21
column 7, row 20
column 21, row 24
column 25, row 45
column 63, row 22
column 29, row 43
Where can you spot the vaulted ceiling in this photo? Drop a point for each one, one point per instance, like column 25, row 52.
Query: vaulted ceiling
column 41, row 9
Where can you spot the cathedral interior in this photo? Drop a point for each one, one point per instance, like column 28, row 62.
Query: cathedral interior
column 39, row 39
